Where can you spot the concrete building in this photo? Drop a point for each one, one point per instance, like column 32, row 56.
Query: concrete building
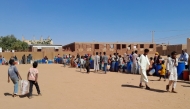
column 109, row 48
column 41, row 41
column 44, row 48
column 188, row 45
column 164, row 49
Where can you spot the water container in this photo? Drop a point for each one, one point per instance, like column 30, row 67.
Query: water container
column 112, row 66
column 1, row 61
column 91, row 64
column 116, row 66
column 186, row 75
column 158, row 67
column 129, row 67
column 180, row 69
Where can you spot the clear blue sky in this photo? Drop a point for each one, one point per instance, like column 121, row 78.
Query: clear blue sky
column 67, row 21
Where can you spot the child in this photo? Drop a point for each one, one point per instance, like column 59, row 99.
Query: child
column 64, row 61
column 172, row 70
column 162, row 71
column 87, row 65
column 14, row 75
column 33, row 79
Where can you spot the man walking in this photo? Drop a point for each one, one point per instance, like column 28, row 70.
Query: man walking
column 143, row 62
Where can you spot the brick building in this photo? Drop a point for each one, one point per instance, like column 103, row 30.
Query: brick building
column 109, row 48
column 167, row 49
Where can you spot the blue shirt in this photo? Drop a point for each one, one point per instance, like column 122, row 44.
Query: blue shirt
column 184, row 57
column 12, row 71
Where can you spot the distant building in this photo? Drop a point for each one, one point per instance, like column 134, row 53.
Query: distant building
column 45, row 48
column 109, row 48
column 165, row 49
column 42, row 41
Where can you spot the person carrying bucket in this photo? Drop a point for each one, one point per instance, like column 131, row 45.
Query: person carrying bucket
column 172, row 70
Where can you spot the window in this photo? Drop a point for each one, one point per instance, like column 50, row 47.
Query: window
column 129, row 47
column 96, row 46
column 151, row 46
column 141, row 45
column 111, row 46
column 39, row 50
column 123, row 46
column 56, row 49
column 118, row 46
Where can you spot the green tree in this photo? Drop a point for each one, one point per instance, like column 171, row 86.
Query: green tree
column 11, row 43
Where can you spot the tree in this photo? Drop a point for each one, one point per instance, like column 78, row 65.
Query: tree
column 11, row 43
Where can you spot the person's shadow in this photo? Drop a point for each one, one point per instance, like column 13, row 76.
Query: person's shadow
column 21, row 96
column 185, row 86
column 151, row 89
column 8, row 94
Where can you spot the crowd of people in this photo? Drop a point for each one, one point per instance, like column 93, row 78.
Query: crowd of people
column 138, row 63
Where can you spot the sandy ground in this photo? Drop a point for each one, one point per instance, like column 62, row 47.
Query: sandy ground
column 67, row 88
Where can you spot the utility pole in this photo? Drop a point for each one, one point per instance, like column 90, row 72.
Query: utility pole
column 152, row 36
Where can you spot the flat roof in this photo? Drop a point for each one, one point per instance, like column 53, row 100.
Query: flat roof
column 110, row 43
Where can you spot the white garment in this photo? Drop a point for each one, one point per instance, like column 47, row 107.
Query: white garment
column 82, row 61
column 143, row 62
column 120, row 61
column 126, row 58
column 96, row 62
column 144, row 77
column 172, row 68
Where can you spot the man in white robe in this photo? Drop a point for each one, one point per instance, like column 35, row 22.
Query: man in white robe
column 143, row 63
column 172, row 71
column 96, row 62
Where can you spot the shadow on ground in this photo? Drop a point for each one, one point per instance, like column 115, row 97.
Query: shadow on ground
column 185, row 86
column 187, row 82
column 152, row 89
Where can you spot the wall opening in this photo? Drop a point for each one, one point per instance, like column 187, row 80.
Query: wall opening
column 123, row 46
column 151, row 46
column 111, row 46
column 129, row 47
column 39, row 50
column 96, row 46
column 141, row 45
column 118, row 46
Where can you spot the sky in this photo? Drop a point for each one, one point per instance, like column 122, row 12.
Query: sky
column 67, row 21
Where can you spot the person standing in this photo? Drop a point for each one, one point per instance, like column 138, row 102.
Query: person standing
column 162, row 71
column 143, row 62
column 120, row 63
column 81, row 63
column 113, row 63
column 184, row 57
column 100, row 65
column 172, row 69
column 135, row 67
column 14, row 75
column 23, row 59
column 105, row 61
column 87, row 65
column 33, row 79
column 96, row 62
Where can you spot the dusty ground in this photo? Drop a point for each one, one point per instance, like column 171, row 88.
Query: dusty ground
column 67, row 88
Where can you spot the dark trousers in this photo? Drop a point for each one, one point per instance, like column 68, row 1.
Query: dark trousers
column 162, row 76
column 186, row 67
column 31, row 87
column 88, row 69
